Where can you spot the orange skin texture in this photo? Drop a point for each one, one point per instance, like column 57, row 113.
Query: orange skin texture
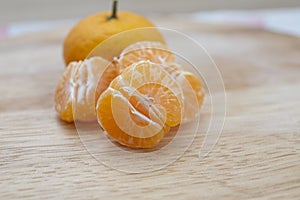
column 93, row 30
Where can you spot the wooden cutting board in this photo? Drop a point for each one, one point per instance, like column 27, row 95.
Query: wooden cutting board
column 257, row 155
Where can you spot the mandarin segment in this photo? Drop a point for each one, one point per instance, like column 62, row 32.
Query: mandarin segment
column 64, row 92
column 164, row 97
column 108, row 75
column 107, row 120
column 196, row 85
column 192, row 91
column 122, row 111
column 155, row 83
column 156, row 52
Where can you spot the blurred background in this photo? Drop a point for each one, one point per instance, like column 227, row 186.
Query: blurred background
column 19, row 17
column 29, row 10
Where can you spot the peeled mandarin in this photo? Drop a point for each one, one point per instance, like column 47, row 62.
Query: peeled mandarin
column 141, row 103
column 80, row 86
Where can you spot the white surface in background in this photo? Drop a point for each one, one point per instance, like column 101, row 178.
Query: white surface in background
column 17, row 29
column 279, row 20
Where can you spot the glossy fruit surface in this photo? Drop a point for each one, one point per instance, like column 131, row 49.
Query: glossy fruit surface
column 93, row 30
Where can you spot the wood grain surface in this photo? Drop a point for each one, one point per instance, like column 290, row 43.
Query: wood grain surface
column 257, row 155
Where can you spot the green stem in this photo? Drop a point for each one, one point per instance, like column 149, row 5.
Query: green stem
column 114, row 11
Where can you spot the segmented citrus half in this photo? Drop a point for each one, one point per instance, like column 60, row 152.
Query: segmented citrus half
column 80, row 86
column 140, row 105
